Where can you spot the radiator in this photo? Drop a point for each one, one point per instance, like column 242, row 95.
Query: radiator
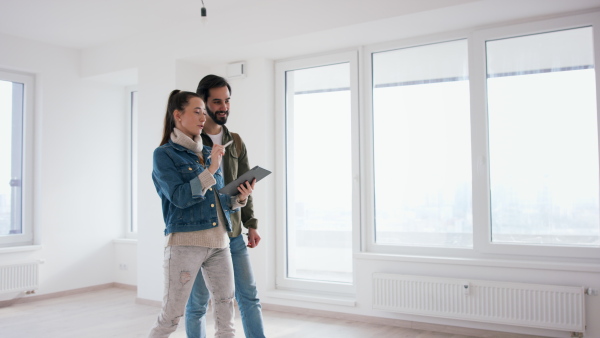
column 530, row 305
column 19, row 277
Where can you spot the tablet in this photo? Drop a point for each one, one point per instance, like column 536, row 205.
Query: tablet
column 256, row 172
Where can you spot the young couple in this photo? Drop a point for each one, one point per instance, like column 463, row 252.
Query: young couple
column 205, row 253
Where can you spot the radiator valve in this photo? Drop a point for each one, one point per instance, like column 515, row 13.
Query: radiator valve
column 30, row 292
column 466, row 288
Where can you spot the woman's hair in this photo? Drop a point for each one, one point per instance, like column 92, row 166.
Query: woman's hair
column 178, row 100
column 209, row 82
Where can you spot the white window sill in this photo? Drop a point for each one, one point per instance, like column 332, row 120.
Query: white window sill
column 312, row 297
column 523, row 263
column 20, row 248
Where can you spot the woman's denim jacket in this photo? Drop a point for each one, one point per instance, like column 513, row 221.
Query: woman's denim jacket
column 175, row 175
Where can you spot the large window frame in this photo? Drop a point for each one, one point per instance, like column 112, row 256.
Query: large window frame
column 479, row 133
column 394, row 142
column 483, row 247
column 483, row 251
column 27, row 156
column 282, row 282
column 368, row 233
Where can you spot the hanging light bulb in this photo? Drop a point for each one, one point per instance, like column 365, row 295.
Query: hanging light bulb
column 203, row 17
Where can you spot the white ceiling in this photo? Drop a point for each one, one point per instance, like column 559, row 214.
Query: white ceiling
column 247, row 28
column 89, row 23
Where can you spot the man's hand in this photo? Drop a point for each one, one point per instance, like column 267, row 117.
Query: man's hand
column 253, row 238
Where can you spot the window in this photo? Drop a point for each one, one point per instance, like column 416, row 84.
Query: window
column 320, row 163
column 479, row 145
column 543, row 139
column 15, row 159
column 421, row 146
column 487, row 144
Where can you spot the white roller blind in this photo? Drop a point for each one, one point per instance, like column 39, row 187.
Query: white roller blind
column 321, row 79
column 397, row 67
column 541, row 53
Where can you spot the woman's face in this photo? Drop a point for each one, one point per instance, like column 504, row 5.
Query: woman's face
column 191, row 120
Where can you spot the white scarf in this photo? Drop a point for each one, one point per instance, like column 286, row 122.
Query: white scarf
column 183, row 140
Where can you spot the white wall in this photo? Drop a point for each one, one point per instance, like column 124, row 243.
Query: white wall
column 187, row 75
column 79, row 167
column 125, row 261
column 156, row 81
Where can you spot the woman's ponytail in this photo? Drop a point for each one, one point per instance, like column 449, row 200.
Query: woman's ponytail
column 178, row 100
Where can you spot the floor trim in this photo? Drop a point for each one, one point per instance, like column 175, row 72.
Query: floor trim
column 22, row 298
column 393, row 322
column 143, row 301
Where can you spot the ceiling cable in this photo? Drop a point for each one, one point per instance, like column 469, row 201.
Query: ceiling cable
column 203, row 17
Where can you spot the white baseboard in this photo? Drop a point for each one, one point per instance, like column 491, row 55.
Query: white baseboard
column 33, row 298
column 392, row 322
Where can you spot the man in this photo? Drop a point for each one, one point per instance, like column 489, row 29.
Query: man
column 215, row 91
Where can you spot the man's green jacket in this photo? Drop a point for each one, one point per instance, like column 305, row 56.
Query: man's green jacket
column 234, row 165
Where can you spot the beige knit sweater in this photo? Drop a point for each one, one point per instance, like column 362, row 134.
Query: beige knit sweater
column 215, row 237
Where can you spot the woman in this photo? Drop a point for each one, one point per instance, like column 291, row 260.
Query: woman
column 187, row 177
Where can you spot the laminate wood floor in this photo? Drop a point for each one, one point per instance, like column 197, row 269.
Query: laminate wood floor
column 113, row 312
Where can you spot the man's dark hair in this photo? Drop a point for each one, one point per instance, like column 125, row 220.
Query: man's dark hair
column 209, row 82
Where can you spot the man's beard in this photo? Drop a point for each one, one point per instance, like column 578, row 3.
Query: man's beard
column 213, row 115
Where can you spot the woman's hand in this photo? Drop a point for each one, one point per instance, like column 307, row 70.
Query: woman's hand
column 245, row 190
column 216, row 155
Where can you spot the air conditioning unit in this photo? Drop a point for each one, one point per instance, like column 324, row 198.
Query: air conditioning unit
column 236, row 70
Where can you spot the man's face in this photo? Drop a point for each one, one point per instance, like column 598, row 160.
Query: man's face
column 217, row 105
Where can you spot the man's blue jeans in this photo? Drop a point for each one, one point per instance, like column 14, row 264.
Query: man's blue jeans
column 245, row 294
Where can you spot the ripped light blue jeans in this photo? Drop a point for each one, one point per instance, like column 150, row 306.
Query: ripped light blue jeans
column 245, row 294
column 182, row 264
